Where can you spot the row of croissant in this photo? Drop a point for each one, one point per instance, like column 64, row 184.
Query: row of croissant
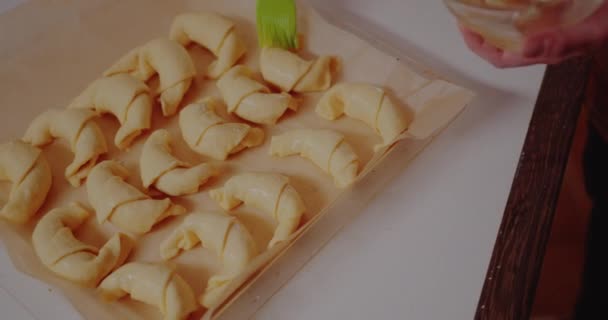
column 123, row 93
column 59, row 250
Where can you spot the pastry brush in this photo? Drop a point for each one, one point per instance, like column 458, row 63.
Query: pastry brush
column 276, row 23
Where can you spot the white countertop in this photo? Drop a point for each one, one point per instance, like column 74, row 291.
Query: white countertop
column 420, row 250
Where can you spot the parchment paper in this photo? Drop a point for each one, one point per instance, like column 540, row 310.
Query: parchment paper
column 51, row 50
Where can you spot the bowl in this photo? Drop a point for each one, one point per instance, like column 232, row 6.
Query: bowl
column 506, row 23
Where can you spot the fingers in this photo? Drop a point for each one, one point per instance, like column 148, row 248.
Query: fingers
column 472, row 39
column 547, row 47
column 565, row 42
column 495, row 56
column 477, row 44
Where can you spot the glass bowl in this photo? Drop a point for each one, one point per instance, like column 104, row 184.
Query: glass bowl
column 505, row 23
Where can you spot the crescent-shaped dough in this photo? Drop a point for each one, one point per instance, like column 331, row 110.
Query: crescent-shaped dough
column 124, row 96
column 79, row 129
column 27, row 169
column 225, row 236
column 325, row 148
column 121, row 203
column 289, row 72
column 158, row 167
column 167, row 58
column 211, row 135
column 213, row 32
column 251, row 100
column 366, row 103
column 154, row 284
column 268, row 192
column 71, row 258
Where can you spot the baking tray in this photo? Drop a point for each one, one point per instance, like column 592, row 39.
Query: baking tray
column 81, row 22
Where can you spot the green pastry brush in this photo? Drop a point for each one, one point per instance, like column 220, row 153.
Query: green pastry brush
column 277, row 23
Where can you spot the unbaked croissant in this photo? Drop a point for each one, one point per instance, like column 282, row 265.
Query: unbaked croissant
column 225, row 236
column 268, row 192
column 289, row 72
column 71, row 258
column 211, row 135
column 154, row 284
column 124, row 96
column 79, row 129
column 168, row 174
column 250, row 99
column 325, row 148
column 167, row 58
column 367, row 103
column 30, row 175
column 121, row 203
column 213, row 32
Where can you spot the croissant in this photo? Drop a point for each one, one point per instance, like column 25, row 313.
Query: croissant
column 325, row 148
column 222, row 234
column 78, row 128
column 167, row 58
column 70, row 258
column 28, row 170
column 366, row 103
column 124, row 96
column 121, row 203
column 289, row 72
column 268, row 192
column 213, row 32
column 211, row 135
column 252, row 100
column 160, row 168
column 153, row 284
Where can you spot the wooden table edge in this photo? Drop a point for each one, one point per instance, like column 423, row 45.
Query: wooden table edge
column 510, row 285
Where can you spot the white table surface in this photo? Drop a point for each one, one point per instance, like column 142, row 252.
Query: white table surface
column 420, row 250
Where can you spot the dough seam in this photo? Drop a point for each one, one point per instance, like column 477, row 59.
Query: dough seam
column 224, row 37
column 130, row 105
column 378, row 113
column 29, row 170
column 225, row 240
column 77, row 135
column 355, row 162
column 69, row 253
column 331, row 155
column 164, row 296
column 276, row 205
column 223, row 121
column 178, row 164
column 163, row 173
column 122, row 204
column 198, row 140
column 302, row 76
column 89, row 163
column 162, row 90
column 264, row 91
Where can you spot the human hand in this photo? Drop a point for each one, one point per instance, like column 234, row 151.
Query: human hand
column 547, row 47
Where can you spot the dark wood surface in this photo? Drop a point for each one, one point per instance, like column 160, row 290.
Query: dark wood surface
column 514, row 270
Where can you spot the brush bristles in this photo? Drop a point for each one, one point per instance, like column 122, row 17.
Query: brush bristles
column 276, row 23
